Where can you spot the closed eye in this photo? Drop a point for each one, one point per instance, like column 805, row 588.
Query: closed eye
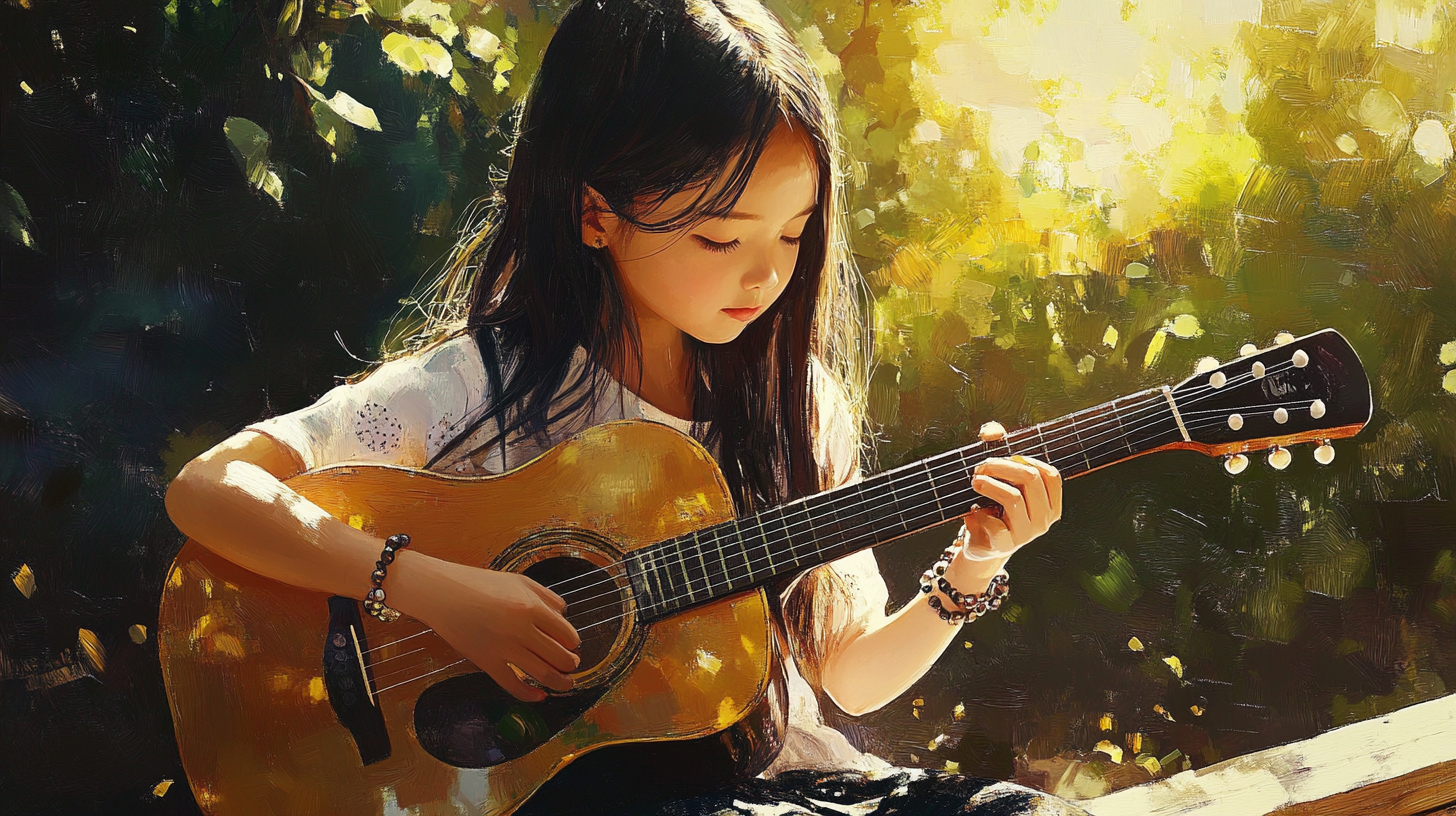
column 714, row 246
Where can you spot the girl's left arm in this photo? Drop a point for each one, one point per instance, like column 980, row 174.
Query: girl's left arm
column 869, row 670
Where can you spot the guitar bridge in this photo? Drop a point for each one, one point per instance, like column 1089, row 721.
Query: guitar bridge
column 350, row 682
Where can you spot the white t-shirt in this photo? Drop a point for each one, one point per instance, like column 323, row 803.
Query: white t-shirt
column 407, row 409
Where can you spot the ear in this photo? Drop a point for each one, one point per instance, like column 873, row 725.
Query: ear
column 597, row 219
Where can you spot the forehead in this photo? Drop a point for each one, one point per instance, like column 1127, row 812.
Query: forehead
column 785, row 181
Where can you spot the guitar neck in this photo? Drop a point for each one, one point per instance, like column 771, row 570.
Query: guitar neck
column 763, row 547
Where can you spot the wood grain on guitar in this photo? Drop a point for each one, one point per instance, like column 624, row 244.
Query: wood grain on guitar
column 285, row 701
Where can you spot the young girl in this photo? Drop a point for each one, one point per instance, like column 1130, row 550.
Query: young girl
column 668, row 246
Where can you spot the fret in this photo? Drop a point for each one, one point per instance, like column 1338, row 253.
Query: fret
column 659, row 597
column 1046, row 452
column 810, row 534
column 894, row 502
column 1104, row 447
column 668, row 597
column 767, row 547
column 723, row 562
column 681, row 559
column 1121, row 429
column 748, row 576
column 700, row 572
column 934, row 490
column 1082, row 447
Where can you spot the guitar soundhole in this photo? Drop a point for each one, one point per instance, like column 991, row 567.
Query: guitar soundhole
column 596, row 603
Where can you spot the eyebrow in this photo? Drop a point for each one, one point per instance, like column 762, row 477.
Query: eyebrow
column 743, row 216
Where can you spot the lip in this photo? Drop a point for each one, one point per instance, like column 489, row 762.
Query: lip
column 743, row 315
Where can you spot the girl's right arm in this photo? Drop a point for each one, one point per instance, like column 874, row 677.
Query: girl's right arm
column 233, row 500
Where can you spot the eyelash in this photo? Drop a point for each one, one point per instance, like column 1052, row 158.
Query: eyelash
column 714, row 246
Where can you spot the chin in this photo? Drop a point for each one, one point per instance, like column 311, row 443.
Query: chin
column 717, row 336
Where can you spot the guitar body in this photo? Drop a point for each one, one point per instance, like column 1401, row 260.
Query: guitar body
column 262, row 677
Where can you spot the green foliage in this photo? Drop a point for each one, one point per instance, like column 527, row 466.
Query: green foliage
column 1035, row 243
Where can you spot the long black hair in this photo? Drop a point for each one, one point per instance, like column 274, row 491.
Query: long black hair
column 640, row 100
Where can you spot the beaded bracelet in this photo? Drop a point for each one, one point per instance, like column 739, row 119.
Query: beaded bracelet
column 966, row 607
column 374, row 601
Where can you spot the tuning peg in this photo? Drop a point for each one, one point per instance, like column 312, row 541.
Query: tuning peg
column 1248, row 348
column 1279, row 458
column 1205, row 365
column 1317, row 410
column 1281, row 415
column 1235, row 463
column 1283, row 339
column 1300, row 359
column 1325, row 453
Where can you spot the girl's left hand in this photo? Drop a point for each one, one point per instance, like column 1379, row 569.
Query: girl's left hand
column 1029, row 493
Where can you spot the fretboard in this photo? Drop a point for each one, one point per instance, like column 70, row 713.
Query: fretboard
column 757, row 549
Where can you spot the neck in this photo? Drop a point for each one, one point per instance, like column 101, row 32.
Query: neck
column 756, row 549
column 665, row 376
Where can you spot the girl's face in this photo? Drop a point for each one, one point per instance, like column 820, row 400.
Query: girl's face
column 712, row 279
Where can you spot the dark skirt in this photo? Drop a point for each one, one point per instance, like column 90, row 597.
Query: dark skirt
column 897, row 792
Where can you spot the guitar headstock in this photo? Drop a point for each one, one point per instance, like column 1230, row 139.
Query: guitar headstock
column 1302, row 389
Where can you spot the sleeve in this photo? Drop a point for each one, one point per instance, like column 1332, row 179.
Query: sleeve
column 401, row 413
column 843, row 598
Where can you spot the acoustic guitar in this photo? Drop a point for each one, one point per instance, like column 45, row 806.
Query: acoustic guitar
column 289, row 701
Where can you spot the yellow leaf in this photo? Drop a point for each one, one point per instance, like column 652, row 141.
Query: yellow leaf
column 1155, row 348
column 1432, row 143
column 1135, row 742
column 1105, row 722
column 1114, row 752
column 915, row 712
column 162, row 787
column 1448, row 353
column 1164, row 712
column 952, row 767
column 434, row 15
column 26, row 87
column 1197, row 711
column 1448, row 382
column 1109, row 337
column 481, row 43
column 1185, row 326
column 959, row 712
column 1149, row 763
column 1175, row 664
column 1135, row 644
column 137, row 633
column 24, row 580
column 936, row 741
column 918, row 701
column 93, row 653
column 354, row 111
column 415, row 54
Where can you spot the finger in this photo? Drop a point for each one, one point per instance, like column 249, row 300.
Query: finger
column 992, row 431
column 557, row 628
column 532, row 664
column 506, row 678
column 1013, row 504
column 1053, row 479
column 550, row 650
column 551, row 598
column 1022, row 475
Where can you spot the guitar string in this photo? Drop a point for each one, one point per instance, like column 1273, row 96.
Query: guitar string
column 952, row 465
column 1193, row 396
column 1155, row 402
column 622, row 615
column 924, row 505
column 711, row 586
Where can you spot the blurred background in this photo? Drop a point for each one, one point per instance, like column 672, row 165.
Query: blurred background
column 210, row 209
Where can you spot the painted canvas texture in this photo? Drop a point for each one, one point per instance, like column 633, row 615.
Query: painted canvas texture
column 214, row 211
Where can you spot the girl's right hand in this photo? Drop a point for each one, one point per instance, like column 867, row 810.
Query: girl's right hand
column 491, row 618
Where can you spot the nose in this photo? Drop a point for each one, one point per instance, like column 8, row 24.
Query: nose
column 763, row 275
